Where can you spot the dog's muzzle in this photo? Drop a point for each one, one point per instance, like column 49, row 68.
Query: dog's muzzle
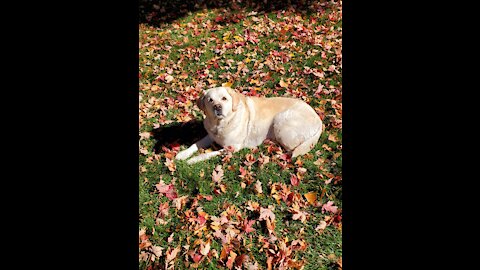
column 218, row 110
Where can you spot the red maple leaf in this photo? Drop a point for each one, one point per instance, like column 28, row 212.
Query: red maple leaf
column 247, row 225
column 167, row 190
column 196, row 257
column 294, row 180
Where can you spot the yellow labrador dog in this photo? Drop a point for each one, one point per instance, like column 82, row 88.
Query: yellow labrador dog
column 239, row 121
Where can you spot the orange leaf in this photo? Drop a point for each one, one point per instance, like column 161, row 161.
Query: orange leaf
column 227, row 84
column 311, row 197
column 231, row 259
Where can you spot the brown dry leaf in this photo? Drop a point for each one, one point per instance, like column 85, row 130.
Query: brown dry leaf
column 319, row 161
column 321, row 226
column 170, row 165
column 180, row 202
column 339, row 262
column 217, row 174
column 163, row 210
column 243, row 185
column 253, row 206
column 332, row 137
column 170, row 238
column 145, row 135
column 258, row 187
column 269, row 263
column 297, row 213
column 171, row 254
column 168, row 78
column 157, row 251
column 205, row 248
column 266, row 213
column 283, row 84
column 326, row 147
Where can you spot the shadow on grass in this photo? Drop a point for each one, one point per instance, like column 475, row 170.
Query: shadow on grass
column 156, row 12
column 185, row 133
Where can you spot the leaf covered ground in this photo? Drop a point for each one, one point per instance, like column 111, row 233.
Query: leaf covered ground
column 257, row 208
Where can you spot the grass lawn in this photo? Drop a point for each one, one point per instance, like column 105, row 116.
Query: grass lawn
column 257, row 208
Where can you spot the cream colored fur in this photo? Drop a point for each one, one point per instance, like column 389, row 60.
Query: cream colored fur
column 245, row 122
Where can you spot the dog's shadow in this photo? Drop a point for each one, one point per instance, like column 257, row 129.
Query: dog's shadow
column 186, row 133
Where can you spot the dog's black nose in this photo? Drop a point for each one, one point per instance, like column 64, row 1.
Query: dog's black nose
column 217, row 107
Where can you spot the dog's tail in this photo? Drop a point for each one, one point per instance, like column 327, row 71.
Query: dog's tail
column 308, row 144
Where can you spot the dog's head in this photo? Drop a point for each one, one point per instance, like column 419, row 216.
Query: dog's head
column 219, row 102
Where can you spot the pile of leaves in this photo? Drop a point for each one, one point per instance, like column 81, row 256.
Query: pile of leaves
column 257, row 208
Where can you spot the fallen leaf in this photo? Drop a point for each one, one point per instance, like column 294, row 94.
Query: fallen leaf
column 171, row 254
column 163, row 210
column 258, row 187
column 157, row 251
column 326, row 147
column 231, row 259
column 321, row 226
column 311, row 197
column 253, row 206
column 170, row 165
column 217, row 174
column 294, row 180
column 247, row 225
column 227, row 84
column 180, row 202
column 205, row 248
column 332, row 137
column 329, row 207
column 266, row 213
column 167, row 190
column 195, row 257
column 145, row 135
column 168, row 78
column 170, row 238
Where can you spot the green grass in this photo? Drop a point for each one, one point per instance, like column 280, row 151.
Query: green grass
column 177, row 47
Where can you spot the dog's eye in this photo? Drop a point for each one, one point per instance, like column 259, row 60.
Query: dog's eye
column 224, row 98
column 210, row 100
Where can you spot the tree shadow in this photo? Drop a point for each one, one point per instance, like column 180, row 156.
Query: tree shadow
column 186, row 133
column 156, row 12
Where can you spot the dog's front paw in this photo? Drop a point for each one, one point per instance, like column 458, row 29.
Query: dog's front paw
column 183, row 155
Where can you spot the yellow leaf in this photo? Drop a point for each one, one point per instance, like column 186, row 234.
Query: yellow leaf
column 311, row 197
column 239, row 38
column 227, row 84
column 226, row 36
column 283, row 84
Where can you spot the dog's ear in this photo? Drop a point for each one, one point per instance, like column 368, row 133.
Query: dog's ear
column 235, row 98
column 201, row 102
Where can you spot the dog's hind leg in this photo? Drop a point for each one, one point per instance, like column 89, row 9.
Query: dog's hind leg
column 307, row 145
column 297, row 130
